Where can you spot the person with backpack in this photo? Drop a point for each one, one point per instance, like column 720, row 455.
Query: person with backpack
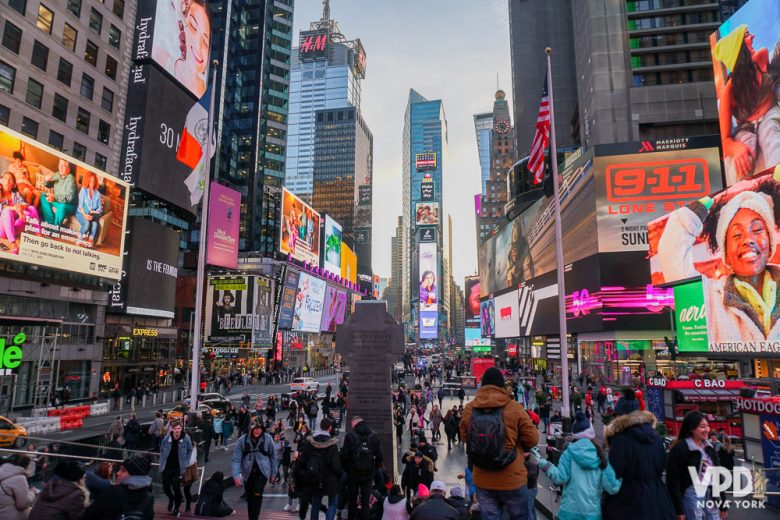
column 175, row 454
column 361, row 456
column 132, row 433
column 499, row 470
column 584, row 472
column 318, row 472
column 130, row 498
column 311, row 412
column 254, row 464
column 427, row 449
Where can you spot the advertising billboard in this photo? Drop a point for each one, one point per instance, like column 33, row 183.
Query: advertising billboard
column 427, row 234
column 507, row 319
column 153, row 259
column 639, row 182
column 471, row 309
column 473, row 337
column 348, row 263
column 487, row 317
column 300, row 229
column 230, row 308
column 154, row 119
column 334, row 309
column 360, row 60
column 175, row 34
column 690, row 317
column 224, row 215
column 313, row 44
column 427, row 190
column 429, row 325
column 60, row 213
column 287, row 304
column 427, row 213
column 745, row 60
column 307, row 314
column 730, row 241
column 262, row 336
column 331, row 251
column 424, row 162
column 429, row 277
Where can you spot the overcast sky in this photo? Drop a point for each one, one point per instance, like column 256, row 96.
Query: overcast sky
column 445, row 49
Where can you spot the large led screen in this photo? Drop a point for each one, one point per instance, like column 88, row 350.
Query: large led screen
column 153, row 258
column 300, row 230
column 427, row 213
column 472, row 301
column 331, row 254
column 309, row 301
column 487, row 317
column 348, row 264
column 473, row 338
column 429, row 325
column 264, row 313
column 287, row 305
column 230, row 308
column 429, row 277
column 223, row 226
column 59, row 212
column 507, row 319
column 175, row 34
column 745, row 58
column 334, row 309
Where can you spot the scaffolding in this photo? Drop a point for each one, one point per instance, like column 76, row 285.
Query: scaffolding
column 46, row 373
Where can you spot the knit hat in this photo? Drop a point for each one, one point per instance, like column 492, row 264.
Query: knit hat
column 456, row 492
column 626, row 405
column 758, row 202
column 493, row 376
column 423, row 491
column 139, row 465
column 582, row 429
column 727, row 48
column 71, row 470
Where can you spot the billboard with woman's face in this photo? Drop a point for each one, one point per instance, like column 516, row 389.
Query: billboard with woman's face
column 487, row 313
column 300, row 230
column 429, row 274
column 746, row 59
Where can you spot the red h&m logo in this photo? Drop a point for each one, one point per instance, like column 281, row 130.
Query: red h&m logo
column 647, row 146
column 506, row 313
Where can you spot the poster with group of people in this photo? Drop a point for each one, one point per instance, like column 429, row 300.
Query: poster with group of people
column 300, row 230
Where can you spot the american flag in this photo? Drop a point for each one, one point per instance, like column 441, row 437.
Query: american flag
column 541, row 138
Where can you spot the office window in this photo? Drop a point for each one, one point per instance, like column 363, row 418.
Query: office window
column 95, row 20
column 87, row 86
column 74, row 6
column 65, row 71
column 82, row 120
column 56, row 140
column 104, row 132
column 60, row 108
column 18, row 5
column 69, row 36
column 7, row 77
column 12, row 37
column 100, row 161
column 111, row 66
column 30, row 127
column 79, row 151
column 5, row 115
column 114, row 36
column 40, row 55
column 119, row 8
column 107, row 101
column 45, row 19
column 34, row 93
column 91, row 53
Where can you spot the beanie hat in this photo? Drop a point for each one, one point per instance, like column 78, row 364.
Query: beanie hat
column 456, row 492
column 758, row 202
column 626, row 405
column 423, row 491
column 71, row 470
column 493, row 376
column 139, row 465
column 582, row 429
column 727, row 48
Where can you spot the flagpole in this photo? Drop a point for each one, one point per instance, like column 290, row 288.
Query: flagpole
column 565, row 412
column 200, row 282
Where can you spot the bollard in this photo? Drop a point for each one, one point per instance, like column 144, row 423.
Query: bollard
column 154, row 400
column 143, row 401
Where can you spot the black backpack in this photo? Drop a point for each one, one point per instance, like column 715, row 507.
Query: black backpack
column 485, row 442
column 135, row 513
column 363, row 456
column 313, row 408
column 313, row 471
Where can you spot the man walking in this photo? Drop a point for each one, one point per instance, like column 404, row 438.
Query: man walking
column 318, row 472
column 311, row 411
column 175, row 453
column 361, row 456
column 254, row 464
column 132, row 433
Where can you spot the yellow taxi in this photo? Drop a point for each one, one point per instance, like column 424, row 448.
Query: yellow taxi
column 10, row 434
column 177, row 412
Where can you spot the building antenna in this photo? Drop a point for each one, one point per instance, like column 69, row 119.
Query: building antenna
column 497, row 83
column 325, row 10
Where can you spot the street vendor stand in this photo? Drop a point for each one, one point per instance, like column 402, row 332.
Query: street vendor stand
column 761, row 442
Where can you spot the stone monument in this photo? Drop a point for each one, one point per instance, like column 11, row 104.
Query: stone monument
column 370, row 341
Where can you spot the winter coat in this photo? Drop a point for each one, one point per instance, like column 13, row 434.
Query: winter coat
column 637, row 454
column 245, row 454
column 60, row 500
column 583, row 480
column 227, row 427
column 135, row 491
column 351, row 441
column 185, row 451
column 394, row 508
column 678, row 478
column 326, row 447
column 132, row 430
column 461, row 505
column 435, row 508
column 451, row 426
column 116, row 429
column 415, row 475
column 16, row 497
column 520, row 434
column 436, row 419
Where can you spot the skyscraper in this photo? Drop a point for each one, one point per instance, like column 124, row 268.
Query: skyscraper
column 396, row 273
column 483, row 124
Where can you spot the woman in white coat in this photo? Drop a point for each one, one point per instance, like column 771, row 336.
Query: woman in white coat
column 16, row 497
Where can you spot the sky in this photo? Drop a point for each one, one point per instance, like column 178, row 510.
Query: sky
column 451, row 50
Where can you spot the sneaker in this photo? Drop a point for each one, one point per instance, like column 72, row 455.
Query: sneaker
column 170, row 505
column 287, row 507
column 295, row 509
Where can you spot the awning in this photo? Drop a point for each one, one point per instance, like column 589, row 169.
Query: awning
column 719, row 394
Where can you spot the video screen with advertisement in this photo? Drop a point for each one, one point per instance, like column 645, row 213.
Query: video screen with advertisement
column 153, row 256
column 61, row 213
column 507, row 319
column 230, row 308
column 264, row 313
column 427, row 213
column 334, row 309
column 429, row 325
column 300, row 230
column 349, row 264
column 429, row 277
column 473, row 338
column 746, row 58
column 487, row 317
column 309, row 300
column 471, row 307
column 223, row 226
column 331, row 253
column 175, row 34
column 287, row 305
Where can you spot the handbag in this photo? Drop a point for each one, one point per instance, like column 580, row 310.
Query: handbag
column 190, row 474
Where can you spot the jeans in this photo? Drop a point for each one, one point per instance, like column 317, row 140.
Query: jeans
column 254, row 487
column 494, row 504
column 531, row 503
column 353, row 488
column 171, row 481
column 316, row 503
column 87, row 227
column 694, row 506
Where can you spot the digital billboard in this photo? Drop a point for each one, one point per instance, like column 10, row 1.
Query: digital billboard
column 287, row 304
column 262, row 336
column 690, row 317
column 348, row 264
column 429, row 325
column 427, row 189
column 487, row 317
column 427, row 234
column 425, row 161
column 360, row 60
column 175, row 34
column 471, row 308
column 154, row 119
column 427, row 213
column 507, row 319
column 745, row 60
column 429, row 277
column 313, row 44
column 224, row 216
column 307, row 314
column 473, row 337
column 331, row 251
column 59, row 212
column 230, row 308
column 334, row 309
column 300, row 229
column 153, row 259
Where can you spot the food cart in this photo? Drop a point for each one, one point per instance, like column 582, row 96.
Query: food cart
column 670, row 400
column 761, row 442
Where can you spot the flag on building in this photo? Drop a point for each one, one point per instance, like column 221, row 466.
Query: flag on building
column 192, row 146
column 541, row 138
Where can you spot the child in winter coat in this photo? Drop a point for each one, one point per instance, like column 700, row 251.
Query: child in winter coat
column 583, row 471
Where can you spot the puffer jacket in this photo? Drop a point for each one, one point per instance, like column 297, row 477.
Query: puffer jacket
column 520, row 434
column 394, row 508
column 583, row 480
column 16, row 497
column 60, row 500
column 327, row 448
